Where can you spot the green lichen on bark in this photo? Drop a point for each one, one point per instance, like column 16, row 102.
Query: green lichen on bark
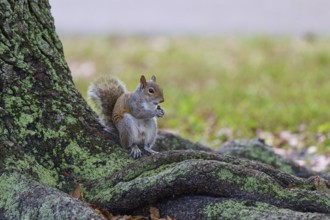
column 257, row 150
column 270, row 190
column 236, row 209
column 89, row 166
column 38, row 201
column 30, row 166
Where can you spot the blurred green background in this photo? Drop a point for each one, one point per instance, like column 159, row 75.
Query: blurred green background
column 222, row 88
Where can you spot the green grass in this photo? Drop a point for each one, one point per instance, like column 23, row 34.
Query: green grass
column 212, row 84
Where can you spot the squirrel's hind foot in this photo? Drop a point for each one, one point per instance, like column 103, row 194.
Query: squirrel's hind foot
column 136, row 152
column 150, row 150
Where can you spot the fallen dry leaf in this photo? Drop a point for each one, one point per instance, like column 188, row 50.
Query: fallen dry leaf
column 109, row 216
column 138, row 218
column 154, row 213
column 77, row 193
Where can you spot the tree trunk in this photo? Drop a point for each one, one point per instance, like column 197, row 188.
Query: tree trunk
column 51, row 140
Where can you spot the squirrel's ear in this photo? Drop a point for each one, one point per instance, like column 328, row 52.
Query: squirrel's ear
column 153, row 78
column 143, row 82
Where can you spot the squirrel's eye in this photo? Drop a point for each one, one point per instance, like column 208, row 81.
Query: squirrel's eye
column 151, row 90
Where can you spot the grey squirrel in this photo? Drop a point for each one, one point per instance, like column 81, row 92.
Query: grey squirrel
column 131, row 113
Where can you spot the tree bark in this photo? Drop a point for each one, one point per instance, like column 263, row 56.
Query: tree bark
column 51, row 140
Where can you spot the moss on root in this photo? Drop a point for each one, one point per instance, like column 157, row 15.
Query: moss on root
column 30, row 167
column 39, row 202
column 90, row 167
column 256, row 149
column 236, row 209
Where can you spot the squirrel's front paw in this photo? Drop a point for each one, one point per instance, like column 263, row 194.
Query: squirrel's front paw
column 136, row 152
column 159, row 111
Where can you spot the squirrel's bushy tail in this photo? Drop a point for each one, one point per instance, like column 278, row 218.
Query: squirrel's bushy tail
column 103, row 93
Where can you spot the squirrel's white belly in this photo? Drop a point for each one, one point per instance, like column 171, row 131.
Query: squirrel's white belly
column 142, row 131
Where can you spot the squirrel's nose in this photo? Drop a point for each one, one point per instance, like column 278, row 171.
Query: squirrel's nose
column 162, row 100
